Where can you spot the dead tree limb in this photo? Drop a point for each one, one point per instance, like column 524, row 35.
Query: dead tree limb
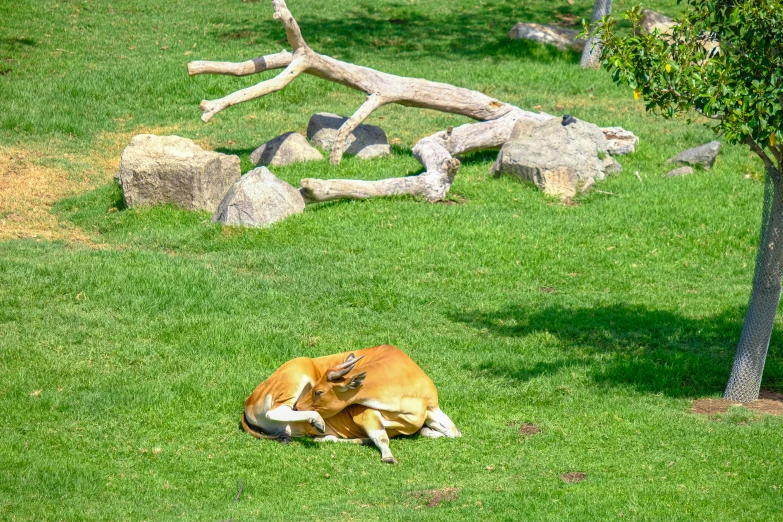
column 435, row 152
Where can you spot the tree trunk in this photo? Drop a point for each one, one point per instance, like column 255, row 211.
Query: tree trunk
column 745, row 381
column 591, row 55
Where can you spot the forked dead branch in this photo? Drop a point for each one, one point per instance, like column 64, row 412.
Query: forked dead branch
column 436, row 153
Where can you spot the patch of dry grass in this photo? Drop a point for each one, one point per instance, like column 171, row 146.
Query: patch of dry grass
column 30, row 186
column 28, row 190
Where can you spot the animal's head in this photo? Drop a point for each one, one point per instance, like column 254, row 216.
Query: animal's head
column 334, row 390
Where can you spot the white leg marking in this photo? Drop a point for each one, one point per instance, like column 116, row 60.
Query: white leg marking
column 378, row 436
column 431, row 434
column 381, row 440
column 286, row 414
column 332, row 438
column 439, row 421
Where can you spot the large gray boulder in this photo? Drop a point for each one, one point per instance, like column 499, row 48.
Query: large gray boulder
column 703, row 155
column 366, row 141
column 170, row 169
column 259, row 199
column 556, row 155
column 561, row 38
column 291, row 147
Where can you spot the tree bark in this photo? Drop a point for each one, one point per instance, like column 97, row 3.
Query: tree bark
column 745, row 380
column 591, row 55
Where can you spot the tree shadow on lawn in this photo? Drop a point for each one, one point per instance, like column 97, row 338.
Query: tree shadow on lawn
column 408, row 32
column 652, row 351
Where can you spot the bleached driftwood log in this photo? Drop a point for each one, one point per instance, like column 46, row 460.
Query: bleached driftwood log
column 435, row 152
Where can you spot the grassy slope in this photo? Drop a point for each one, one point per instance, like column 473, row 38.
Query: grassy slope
column 144, row 350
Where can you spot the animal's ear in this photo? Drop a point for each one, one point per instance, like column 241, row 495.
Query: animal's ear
column 342, row 369
column 357, row 380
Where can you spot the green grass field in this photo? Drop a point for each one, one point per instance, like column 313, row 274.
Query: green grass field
column 129, row 339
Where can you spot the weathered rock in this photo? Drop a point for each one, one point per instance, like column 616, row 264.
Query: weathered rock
column 555, row 157
column 620, row 140
column 682, row 171
column 291, row 147
column 559, row 181
column 365, row 142
column 259, row 199
column 170, row 169
column 561, row 38
column 703, row 155
column 652, row 20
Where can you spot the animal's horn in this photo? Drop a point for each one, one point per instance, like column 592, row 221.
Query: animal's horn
column 342, row 369
column 349, row 361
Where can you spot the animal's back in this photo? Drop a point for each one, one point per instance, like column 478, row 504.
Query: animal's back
column 392, row 380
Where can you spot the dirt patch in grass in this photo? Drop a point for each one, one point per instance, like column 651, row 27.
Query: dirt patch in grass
column 30, row 186
column 27, row 192
column 710, row 406
column 434, row 497
column 769, row 402
column 573, row 476
column 528, row 430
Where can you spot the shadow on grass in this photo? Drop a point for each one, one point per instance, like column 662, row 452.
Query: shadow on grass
column 12, row 43
column 403, row 30
column 651, row 351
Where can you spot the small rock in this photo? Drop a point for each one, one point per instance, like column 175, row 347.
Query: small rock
column 170, row 169
column 588, row 185
column 259, row 199
column 703, row 155
column 563, row 39
column 611, row 165
column 621, row 141
column 365, row 142
column 682, row 171
column 291, row 147
column 652, row 20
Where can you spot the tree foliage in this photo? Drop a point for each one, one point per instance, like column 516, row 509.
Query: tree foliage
column 739, row 83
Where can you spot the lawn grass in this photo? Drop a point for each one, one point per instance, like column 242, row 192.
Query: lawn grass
column 125, row 356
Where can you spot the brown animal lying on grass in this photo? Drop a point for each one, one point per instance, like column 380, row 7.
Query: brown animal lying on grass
column 367, row 395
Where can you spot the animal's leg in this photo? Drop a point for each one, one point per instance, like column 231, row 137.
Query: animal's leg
column 432, row 434
column 371, row 421
column 440, row 422
column 332, row 438
column 286, row 414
